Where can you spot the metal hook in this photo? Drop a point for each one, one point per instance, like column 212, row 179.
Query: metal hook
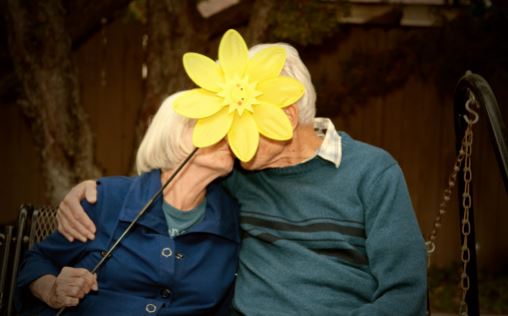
column 476, row 117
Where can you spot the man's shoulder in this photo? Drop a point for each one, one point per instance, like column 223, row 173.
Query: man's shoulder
column 360, row 152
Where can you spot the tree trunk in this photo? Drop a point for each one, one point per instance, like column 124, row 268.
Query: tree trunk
column 173, row 29
column 259, row 21
column 40, row 48
column 83, row 19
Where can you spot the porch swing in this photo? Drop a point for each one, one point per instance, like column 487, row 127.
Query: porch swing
column 472, row 93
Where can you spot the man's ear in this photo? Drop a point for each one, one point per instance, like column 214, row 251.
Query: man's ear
column 292, row 113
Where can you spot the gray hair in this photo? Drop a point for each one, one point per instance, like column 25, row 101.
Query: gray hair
column 164, row 144
column 295, row 68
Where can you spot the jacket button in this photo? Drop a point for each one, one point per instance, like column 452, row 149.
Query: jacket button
column 166, row 252
column 151, row 308
column 165, row 293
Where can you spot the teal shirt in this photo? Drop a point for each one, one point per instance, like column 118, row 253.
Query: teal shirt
column 321, row 240
column 179, row 221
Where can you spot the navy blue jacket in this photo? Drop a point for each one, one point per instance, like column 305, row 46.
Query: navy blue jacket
column 149, row 273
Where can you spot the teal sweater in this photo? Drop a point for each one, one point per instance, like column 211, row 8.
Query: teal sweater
column 321, row 240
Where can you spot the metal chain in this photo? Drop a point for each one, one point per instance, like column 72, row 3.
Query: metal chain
column 452, row 180
column 466, row 224
column 463, row 156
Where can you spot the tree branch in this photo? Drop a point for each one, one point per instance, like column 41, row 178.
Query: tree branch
column 84, row 17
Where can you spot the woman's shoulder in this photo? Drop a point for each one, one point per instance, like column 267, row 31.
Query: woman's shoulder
column 114, row 193
column 117, row 182
column 111, row 193
column 225, row 208
column 120, row 185
column 216, row 188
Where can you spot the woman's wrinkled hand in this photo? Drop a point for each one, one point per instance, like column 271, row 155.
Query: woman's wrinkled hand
column 66, row 289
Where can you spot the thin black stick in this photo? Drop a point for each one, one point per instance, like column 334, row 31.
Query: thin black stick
column 138, row 216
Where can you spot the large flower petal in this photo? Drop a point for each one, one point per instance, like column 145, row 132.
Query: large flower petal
column 272, row 122
column 197, row 103
column 243, row 138
column 210, row 130
column 266, row 64
column 205, row 72
column 233, row 54
column 280, row 91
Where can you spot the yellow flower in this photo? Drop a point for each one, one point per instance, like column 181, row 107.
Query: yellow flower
column 240, row 97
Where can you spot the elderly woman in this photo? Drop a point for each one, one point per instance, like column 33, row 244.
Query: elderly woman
column 179, row 259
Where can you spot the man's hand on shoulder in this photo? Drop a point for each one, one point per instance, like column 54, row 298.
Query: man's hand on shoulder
column 73, row 222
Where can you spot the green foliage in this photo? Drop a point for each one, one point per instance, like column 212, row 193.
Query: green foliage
column 439, row 54
column 137, row 11
column 306, row 22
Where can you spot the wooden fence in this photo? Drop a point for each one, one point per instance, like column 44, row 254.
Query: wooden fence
column 414, row 123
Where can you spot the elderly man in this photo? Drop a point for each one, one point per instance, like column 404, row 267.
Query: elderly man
column 327, row 222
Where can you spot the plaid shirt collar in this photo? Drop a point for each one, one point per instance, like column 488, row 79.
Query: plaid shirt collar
column 331, row 148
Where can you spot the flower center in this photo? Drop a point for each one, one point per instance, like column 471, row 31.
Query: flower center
column 239, row 95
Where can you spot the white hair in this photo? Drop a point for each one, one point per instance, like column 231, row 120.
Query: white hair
column 295, row 68
column 165, row 143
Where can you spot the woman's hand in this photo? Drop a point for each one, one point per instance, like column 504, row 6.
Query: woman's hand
column 67, row 289
column 73, row 222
